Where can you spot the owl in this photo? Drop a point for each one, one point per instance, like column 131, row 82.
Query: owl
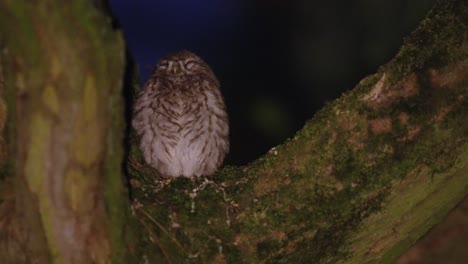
column 180, row 118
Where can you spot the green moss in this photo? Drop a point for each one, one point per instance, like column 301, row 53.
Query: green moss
column 228, row 173
column 326, row 245
column 26, row 41
column 443, row 31
column 344, row 161
column 97, row 33
column 265, row 248
column 420, row 210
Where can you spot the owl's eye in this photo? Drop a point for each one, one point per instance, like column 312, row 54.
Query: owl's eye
column 163, row 65
column 189, row 65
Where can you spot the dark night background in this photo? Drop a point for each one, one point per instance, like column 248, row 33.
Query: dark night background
column 278, row 61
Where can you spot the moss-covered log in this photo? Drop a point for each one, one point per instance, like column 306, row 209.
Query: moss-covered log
column 361, row 182
column 63, row 197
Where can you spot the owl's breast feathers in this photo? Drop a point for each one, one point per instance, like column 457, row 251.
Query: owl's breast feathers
column 182, row 121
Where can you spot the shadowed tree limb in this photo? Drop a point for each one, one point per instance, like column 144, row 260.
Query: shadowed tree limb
column 362, row 181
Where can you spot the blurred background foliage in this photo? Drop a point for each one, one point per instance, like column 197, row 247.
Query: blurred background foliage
column 278, row 61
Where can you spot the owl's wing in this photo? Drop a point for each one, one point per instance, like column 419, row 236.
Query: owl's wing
column 142, row 111
column 208, row 123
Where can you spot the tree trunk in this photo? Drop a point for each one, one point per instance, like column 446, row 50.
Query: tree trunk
column 63, row 200
column 362, row 181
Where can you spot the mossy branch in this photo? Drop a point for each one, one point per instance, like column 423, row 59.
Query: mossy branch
column 362, row 181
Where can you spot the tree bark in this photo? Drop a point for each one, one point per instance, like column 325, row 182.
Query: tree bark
column 63, row 200
column 362, row 181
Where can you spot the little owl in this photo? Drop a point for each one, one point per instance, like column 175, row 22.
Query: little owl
column 181, row 118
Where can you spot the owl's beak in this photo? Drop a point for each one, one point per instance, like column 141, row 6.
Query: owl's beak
column 176, row 68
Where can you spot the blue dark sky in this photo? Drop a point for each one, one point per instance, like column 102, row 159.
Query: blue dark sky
column 155, row 28
column 278, row 61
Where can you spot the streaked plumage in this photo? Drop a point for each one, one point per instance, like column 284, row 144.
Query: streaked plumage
column 181, row 118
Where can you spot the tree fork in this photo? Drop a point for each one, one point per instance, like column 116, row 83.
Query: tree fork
column 363, row 180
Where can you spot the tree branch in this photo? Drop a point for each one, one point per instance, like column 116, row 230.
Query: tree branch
column 362, row 181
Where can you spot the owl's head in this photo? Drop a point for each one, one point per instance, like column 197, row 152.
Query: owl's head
column 180, row 64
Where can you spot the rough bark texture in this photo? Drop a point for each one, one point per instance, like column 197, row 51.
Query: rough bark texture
column 363, row 180
column 445, row 243
column 63, row 199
